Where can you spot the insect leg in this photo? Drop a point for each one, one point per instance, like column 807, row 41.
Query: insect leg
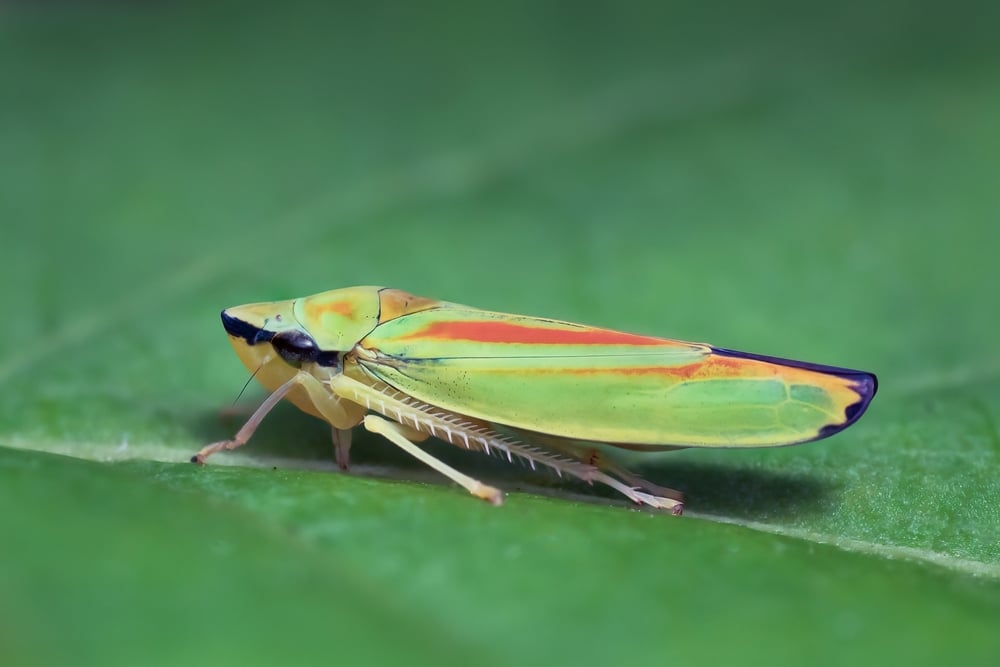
column 248, row 429
column 397, row 435
column 602, row 461
column 586, row 465
column 676, row 507
column 341, row 446
column 631, row 486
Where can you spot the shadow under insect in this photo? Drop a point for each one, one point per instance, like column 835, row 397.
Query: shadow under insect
column 740, row 491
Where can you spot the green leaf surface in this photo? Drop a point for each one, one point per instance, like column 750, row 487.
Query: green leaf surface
column 814, row 182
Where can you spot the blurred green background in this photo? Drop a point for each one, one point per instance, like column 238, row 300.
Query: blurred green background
column 808, row 180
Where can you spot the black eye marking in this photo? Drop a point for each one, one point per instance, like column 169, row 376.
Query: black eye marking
column 295, row 347
column 237, row 328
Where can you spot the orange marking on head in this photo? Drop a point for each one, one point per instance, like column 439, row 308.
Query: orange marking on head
column 341, row 307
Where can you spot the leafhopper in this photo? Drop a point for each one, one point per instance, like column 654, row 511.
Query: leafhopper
column 553, row 394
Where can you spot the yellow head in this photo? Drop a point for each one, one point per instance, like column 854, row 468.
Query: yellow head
column 279, row 338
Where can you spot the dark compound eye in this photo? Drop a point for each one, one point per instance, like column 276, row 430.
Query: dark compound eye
column 295, row 347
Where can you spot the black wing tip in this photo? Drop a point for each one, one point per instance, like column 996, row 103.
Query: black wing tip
column 866, row 386
column 864, row 383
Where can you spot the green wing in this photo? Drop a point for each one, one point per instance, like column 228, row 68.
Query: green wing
column 579, row 382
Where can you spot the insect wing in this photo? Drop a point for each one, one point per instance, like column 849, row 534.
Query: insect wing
column 580, row 382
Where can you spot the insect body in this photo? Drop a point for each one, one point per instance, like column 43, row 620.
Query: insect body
column 541, row 390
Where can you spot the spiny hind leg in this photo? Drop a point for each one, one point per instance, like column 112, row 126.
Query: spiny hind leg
column 675, row 506
column 403, row 436
column 603, row 461
column 638, row 489
column 611, row 474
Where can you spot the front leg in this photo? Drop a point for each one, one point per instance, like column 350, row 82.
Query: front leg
column 256, row 418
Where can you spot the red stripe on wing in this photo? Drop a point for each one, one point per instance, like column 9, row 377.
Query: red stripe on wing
column 510, row 332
